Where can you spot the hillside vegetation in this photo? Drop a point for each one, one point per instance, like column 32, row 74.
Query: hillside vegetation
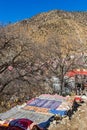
column 33, row 50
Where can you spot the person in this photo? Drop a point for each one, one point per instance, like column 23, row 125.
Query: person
column 69, row 113
column 79, row 88
column 75, row 106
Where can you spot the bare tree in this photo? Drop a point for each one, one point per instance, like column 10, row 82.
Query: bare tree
column 20, row 60
column 64, row 57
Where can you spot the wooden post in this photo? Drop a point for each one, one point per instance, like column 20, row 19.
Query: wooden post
column 75, row 85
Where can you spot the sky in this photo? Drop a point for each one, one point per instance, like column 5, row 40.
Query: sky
column 17, row 10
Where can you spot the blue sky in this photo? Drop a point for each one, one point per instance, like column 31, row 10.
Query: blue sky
column 16, row 10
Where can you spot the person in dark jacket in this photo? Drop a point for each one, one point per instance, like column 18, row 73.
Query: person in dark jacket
column 69, row 113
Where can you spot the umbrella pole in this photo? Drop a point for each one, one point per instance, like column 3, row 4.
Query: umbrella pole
column 75, row 86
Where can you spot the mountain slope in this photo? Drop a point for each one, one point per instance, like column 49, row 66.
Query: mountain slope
column 64, row 24
column 26, row 54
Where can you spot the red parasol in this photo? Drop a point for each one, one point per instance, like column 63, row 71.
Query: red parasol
column 72, row 73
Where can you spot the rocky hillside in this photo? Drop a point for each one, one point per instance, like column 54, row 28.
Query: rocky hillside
column 78, row 121
column 28, row 48
column 67, row 26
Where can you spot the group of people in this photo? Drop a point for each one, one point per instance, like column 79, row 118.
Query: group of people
column 73, row 109
column 80, row 88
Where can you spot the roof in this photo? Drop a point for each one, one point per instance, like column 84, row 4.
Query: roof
column 72, row 73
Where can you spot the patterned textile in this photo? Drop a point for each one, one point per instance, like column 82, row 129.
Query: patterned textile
column 21, row 123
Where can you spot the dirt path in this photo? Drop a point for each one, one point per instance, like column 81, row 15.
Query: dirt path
column 78, row 121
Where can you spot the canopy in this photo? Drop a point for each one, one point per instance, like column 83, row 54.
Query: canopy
column 72, row 73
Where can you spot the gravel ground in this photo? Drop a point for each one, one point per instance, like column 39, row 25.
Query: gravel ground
column 78, row 121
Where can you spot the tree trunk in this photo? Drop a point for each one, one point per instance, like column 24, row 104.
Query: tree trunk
column 62, row 81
